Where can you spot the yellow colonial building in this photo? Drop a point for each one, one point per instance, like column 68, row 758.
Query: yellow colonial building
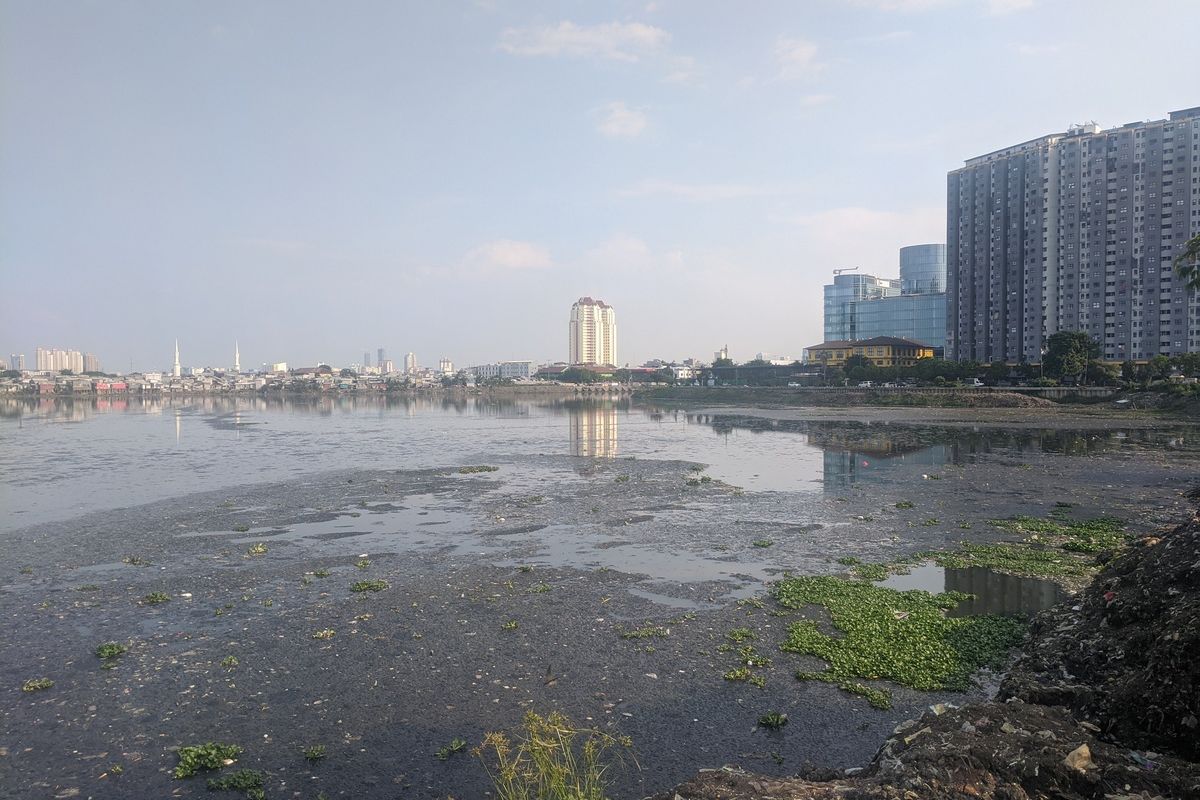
column 882, row 351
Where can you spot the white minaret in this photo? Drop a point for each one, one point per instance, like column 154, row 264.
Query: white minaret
column 237, row 359
column 175, row 370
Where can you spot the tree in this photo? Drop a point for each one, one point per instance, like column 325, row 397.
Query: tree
column 996, row 372
column 1187, row 263
column 10, row 373
column 1101, row 373
column 856, row 361
column 723, row 362
column 1068, row 354
column 348, row 373
column 1159, row 367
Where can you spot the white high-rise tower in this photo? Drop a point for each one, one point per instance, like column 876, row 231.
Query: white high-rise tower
column 593, row 333
column 237, row 359
column 175, row 370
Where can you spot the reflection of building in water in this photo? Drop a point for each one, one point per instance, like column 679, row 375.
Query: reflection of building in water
column 847, row 467
column 594, row 431
column 996, row 593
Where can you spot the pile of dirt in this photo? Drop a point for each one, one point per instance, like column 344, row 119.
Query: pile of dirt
column 1102, row 705
column 1127, row 656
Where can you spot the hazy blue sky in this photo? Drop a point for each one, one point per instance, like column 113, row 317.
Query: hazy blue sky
column 316, row 179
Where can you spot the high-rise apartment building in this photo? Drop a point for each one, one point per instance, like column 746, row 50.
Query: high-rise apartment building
column 593, row 333
column 16, row 361
column 1076, row 231
column 54, row 360
column 91, row 363
column 913, row 307
column 380, row 357
column 410, row 363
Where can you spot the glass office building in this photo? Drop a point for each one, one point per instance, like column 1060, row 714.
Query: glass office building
column 844, row 294
column 914, row 307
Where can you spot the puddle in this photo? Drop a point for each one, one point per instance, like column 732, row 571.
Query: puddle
column 563, row 546
column 420, row 523
column 995, row 592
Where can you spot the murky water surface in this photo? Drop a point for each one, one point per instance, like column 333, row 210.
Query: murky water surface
column 60, row 459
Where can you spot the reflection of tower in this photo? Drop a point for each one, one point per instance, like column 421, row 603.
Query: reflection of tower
column 175, row 370
column 594, row 431
column 237, row 359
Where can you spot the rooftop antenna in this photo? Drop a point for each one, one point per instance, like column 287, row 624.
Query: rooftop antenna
column 844, row 269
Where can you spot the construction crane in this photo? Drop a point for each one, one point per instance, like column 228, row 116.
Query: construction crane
column 845, row 269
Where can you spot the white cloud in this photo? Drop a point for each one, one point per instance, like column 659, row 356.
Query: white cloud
column 618, row 121
column 507, row 255
column 811, row 100
column 699, row 192
column 867, row 238
column 1038, row 49
column 879, row 38
column 616, row 41
column 797, row 58
column 994, row 7
column 1008, row 6
column 682, row 69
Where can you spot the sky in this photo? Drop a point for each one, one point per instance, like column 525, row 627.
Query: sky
column 316, row 179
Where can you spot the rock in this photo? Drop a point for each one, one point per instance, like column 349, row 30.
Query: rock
column 1080, row 758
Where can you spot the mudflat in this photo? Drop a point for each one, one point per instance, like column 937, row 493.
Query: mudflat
column 600, row 587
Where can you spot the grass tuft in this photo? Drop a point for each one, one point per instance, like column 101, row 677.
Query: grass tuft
column 456, row 745
column 155, row 598
column 550, row 758
column 773, row 720
column 111, row 650
column 368, row 586
column 36, row 685
column 249, row 781
column 207, row 756
column 479, row 468
column 314, row 753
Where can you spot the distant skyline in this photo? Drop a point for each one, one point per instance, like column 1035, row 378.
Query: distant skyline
column 316, row 180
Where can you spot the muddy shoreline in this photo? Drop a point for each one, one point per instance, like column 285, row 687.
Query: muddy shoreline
column 610, row 545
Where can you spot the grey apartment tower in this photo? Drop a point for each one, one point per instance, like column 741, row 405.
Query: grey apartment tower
column 1075, row 231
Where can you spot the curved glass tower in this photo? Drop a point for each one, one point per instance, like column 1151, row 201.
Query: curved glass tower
column 923, row 269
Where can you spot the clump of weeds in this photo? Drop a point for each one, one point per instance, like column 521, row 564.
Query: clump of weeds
column 241, row 528
column 647, row 632
column 156, row 598
column 109, row 652
column 744, row 675
column 256, row 549
column 229, row 662
column 622, row 478
column 315, row 752
column 773, row 720
column 550, row 758
column 539, row 588
column 902, row 637
column 1084, row 536
column 479, row 468
column 207, row 756
column 368, row 586
column 87, row 587
column 741, row 635
column 135, row 561
column 249, row 781
column 327, row 633
column 456, row 745
column 363, row 563
column 510, row 625
column 763, row 542
column 905, row 504
column 36, row 685
column 321, row 573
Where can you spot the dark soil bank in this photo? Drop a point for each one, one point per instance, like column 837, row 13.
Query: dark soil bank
column 1104, row 704
column 263, row 643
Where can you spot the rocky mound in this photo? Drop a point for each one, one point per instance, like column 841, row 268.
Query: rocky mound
column 1127, row 656
column 1101, row 681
